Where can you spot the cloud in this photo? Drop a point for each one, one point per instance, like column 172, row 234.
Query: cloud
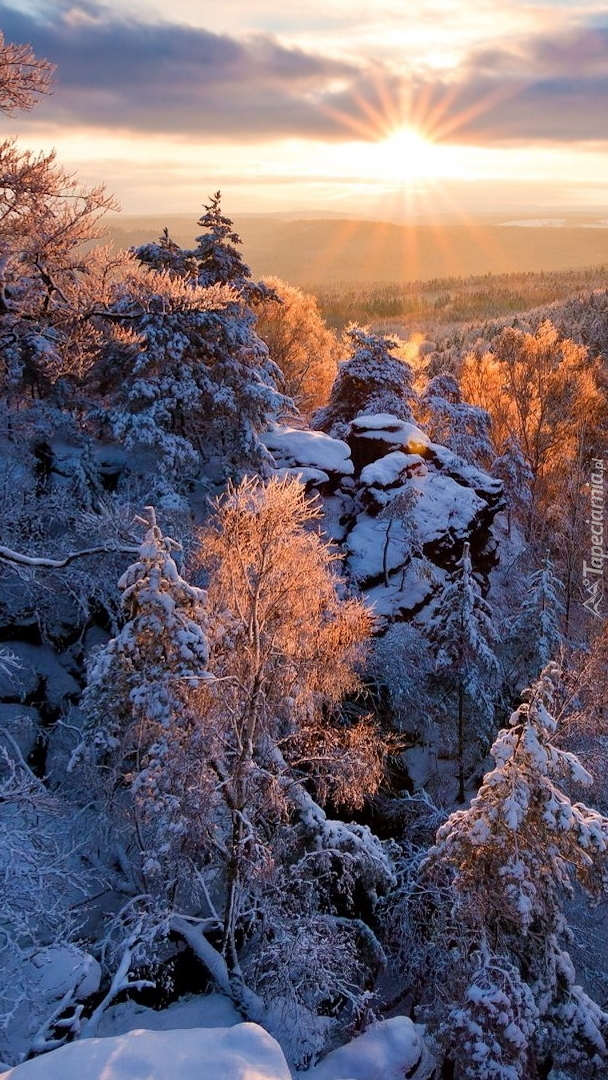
column 124, row 73
column 161, row 77
column 550, row 88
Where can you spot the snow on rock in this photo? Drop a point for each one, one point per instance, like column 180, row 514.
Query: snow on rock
column 371, row 437
column 294, row 447
column 445, row 512
column 372, row 549
column 390, row 470
column 388, row 1050
column 442, row 516
column 62, row 969
column 38, row 662
column 338, row 515
column 383, row 422
column 399, row 495
column 405, row 595
column 450, row 464
column 243, row 1052
column 307, row 476
column 196, row 1011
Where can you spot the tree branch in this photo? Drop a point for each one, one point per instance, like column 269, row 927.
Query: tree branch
column 39, row 562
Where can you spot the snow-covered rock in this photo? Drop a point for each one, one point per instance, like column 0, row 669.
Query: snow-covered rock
column 443, row 514
column 388, row 1050
column 450, row 464
column 195, row 1011
column 371, row 437
column 243, row 1052
column 38, row 663
column 392, row 469
column 398, row 497
column 376, row 546
column 408, row 592
column 39, row 985
column 446, row 513
column 307, row 476
column 60, row 970
column 294, row 447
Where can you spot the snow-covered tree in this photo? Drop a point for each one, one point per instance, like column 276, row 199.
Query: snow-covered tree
column 203, row 385
column 300, row 343
column 508, row 863
column 213, row 722
column 512, row 468
column 543, row 389
column 371, row 380
column 536, row 632
column 464, row 639
column 43, row 882
column 451, row 421
column 24, row 77
column 216, row 259
column 284, row 647
column 140, row 727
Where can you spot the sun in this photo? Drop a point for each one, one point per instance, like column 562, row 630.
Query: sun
column 406, row 157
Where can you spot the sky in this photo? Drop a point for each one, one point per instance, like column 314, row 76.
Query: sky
column 372, row 107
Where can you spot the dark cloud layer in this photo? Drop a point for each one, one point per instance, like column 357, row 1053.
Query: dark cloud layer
column 172, row 78
column 548, row 88
column 121, row 73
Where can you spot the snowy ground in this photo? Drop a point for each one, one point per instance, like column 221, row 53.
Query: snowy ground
column 202, row 1039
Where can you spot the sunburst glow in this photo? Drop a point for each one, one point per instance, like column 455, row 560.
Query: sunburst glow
column 407, row 157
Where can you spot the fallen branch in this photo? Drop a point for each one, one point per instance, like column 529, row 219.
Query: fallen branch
column 17, row 557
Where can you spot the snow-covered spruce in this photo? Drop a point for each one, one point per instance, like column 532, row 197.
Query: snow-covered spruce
column 506, row 865
column 371, row 381
column 536, row 634
column 453, row 422
column 202, row 385
column 137, row 697
column 464, row 640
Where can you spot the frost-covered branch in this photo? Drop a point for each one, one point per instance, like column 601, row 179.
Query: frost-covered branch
column 42, row 563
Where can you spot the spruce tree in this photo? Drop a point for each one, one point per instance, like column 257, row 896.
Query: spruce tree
column 463, row 636
column 536, row 630
column 203, row 386
column 139, row 703
column 372, row 380
column 509, row 861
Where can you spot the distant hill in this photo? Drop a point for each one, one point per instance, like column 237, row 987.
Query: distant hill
column 321, row 252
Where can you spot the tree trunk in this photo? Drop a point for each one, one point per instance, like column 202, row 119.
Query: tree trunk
column 460, row 798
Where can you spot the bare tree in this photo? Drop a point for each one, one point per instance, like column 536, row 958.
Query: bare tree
column 24, row 77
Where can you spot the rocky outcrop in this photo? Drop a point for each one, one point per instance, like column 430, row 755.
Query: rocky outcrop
column 400, row 506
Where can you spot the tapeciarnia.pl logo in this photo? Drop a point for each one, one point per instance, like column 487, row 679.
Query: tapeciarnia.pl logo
column 593, row 571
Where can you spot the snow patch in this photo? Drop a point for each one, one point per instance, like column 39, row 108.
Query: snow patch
column 198, row 1011
column 293, row 447
column 388, row 1050
column 243, row 1052
column 389, row 470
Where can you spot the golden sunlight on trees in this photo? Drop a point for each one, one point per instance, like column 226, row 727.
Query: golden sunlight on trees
column 283, row 652
column 543, row 390
column 299, row 341
column 294, row 642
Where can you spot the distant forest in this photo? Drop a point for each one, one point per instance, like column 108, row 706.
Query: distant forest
column 319, row 253
column 404, row 307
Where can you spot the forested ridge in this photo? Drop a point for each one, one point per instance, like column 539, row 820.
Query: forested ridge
column 304, row 655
